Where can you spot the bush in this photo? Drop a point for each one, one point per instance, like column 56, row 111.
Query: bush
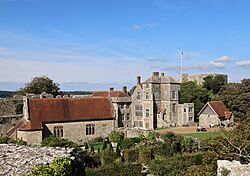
column 62, row 166
column 53, row 141
column 151, row 137
column 8, row 140
column 130, row 142
column 145, row 155
column 117, row 169
column 107, row 157
column 116, row 136
column 131, row 155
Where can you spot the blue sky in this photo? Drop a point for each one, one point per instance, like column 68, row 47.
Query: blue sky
column 95, row 44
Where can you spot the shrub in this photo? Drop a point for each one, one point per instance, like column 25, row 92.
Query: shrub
column 169, row 135
column 107, row 157
column 117, row 169
column 131, row 155
column 145, row 155
column 53, row 141
column 104, row 145
column 8, row 140
column 116, row 136
column 130, row 142
column 62, row 166
column 151, row 137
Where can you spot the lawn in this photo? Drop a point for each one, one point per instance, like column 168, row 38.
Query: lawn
column 203, row 135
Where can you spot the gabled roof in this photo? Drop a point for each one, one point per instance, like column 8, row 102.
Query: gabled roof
column 218, row 108
column 65, row 110
column 109, row 94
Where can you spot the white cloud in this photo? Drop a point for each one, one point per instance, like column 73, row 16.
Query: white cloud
column 244, row 64
column 138, row 27
column 222, row 59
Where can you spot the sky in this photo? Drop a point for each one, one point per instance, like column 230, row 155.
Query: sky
column 96, row 44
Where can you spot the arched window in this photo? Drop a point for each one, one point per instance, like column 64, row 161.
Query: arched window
column 90, row 129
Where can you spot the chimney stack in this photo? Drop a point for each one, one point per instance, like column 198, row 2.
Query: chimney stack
column 155, row 74
column 124, row 89
column 138, row 79
column 162, row 74
column 111, row 89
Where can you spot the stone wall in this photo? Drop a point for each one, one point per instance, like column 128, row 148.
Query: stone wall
column 10, row 113
column 19, row 160
column 234, row 168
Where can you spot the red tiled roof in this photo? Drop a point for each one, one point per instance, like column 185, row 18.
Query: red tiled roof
column 220, row 109
column 109, row 94
column 57, row 109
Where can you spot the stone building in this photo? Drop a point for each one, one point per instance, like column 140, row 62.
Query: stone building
column 78, row 119
column 199, row 78
column 155, row 103
column 121, row 102
column 215, row 113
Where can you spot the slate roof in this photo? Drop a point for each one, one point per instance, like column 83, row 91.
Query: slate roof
column 65, row 110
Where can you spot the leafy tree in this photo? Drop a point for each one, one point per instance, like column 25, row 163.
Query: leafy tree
column 190, row 92
column 236, row 96
column 116, row 136
column 214, row 83
column 39, row 85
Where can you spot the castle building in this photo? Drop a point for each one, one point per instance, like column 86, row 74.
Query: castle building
column 121, row 102
column 199, row 78
column 155, row 104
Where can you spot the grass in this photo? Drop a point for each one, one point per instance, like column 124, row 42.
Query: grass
column 204, row 135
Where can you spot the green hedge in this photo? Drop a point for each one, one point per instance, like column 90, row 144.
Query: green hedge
column 7, row 140
column 131, row 155
column 53, row 141
column 117, row 169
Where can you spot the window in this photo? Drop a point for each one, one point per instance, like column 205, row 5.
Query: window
column 173, row 95
column 136, row 124
column 147, row 95
column 140, row 124
column 147, row 125
column 122, row 115
column 127, row 116
column 90, row 129
column 122, row 106
column 174, row 107
column 138, row 110
column 58, row 131
column 138, row 95
column 127, row 106
column 190, row 109
column 184, row 109
column 147, row 112
column 190, row 119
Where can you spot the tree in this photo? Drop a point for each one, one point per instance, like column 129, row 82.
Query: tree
column 236, row 96
column 214, row 83
column 190, row 92
column 39, row 85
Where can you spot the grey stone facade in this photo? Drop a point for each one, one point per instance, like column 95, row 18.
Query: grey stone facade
column 155, row 103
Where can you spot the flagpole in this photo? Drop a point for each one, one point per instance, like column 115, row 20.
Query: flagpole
column 181, row 64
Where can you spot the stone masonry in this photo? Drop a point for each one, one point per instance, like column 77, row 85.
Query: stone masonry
column 19, row 160
column 234, row 168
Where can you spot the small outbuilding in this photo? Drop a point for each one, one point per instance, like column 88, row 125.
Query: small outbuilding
column 215, row 113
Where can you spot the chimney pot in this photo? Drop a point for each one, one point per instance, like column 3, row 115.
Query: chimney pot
column 124, row 89
column 138, row 79
column 111, row 89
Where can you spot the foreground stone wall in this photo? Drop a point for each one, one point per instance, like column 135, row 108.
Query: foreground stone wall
column 10, row 113
column 19, row 160
column 234, row 168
